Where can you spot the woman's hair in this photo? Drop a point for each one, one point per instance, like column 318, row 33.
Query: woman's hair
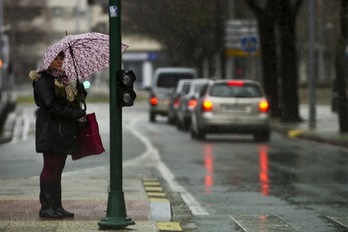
column 61, row 54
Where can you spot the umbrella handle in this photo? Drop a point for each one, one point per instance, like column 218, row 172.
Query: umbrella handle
column 77, row 78
column 84, row 105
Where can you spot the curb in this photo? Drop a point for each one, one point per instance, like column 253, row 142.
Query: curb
column 161, row 210
column 307, row 135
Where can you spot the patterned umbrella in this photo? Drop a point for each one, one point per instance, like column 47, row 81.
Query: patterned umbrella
column 90, row 53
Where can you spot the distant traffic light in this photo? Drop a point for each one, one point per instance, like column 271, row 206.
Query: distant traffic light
column 126, row 94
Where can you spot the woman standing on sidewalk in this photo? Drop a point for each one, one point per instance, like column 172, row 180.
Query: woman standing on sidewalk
column 56, row 126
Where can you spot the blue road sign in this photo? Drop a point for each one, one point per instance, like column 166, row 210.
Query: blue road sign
column 249, row 44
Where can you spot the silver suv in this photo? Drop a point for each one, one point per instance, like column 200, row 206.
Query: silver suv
column 187, row 102
column 231, row 106
column 164, row 83
column 182, row 89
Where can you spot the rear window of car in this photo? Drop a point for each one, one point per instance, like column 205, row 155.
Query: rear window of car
column 198, row 87
column 245, row 91
column 170, row 80
column 186, row 88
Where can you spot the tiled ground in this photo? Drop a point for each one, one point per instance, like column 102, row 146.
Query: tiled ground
column 84, row 209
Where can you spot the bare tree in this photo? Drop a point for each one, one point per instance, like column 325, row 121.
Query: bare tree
column 266, row 16
column 282, row 14
column 187, row 29
column 288, row 60
column 340, row 63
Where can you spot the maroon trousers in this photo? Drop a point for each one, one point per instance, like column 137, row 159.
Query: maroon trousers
column 53, row 165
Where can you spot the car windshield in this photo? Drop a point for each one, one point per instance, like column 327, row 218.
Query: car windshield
column 198, row 87
column 245, row 91
column 170, row 80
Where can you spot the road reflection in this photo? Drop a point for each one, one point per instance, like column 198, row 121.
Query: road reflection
column 263, row 175
column 209, row 167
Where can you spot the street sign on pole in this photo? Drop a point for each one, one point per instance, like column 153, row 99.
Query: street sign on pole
column 249, row 44
column 241, row 38
column 116, row 216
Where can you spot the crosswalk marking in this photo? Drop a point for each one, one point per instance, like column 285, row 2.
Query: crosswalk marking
column 151, row 183
column 154, row 189
column 156, row 194
column 262, row 223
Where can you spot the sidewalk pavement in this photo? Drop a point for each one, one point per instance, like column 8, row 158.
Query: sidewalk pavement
column 85, row 192
column 326, row 129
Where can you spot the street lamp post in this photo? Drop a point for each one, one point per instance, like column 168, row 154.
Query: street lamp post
column 116, row 216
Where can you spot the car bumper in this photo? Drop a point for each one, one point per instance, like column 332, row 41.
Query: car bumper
column 234, row 125
column 161, row 108
column 238, row 129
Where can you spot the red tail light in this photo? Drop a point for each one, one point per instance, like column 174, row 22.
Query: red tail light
column 207, row 106
column 191, row 104
column 153, row 100
column 235, row 83
column 264, row 106
column 176, row 103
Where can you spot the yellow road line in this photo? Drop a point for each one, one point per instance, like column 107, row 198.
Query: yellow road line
column 156, row 194
column 152, row 183
column 169, row 226
column 159, row 199
column 154, row 189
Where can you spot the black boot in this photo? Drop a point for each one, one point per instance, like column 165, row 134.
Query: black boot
column 58, row 201
column 46, row 200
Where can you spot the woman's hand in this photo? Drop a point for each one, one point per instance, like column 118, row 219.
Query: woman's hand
column 81, row 89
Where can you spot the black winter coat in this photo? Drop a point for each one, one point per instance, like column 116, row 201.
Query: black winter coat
column 56, row 122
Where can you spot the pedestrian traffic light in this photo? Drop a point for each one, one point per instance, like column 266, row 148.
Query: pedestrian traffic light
column 126, row 94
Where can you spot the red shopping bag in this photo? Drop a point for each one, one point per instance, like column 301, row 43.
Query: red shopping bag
column 88, row 139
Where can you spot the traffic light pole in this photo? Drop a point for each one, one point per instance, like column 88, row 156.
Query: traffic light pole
column 116, row 216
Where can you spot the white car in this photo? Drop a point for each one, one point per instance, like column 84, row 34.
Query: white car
column 187, row 102
column 174, row 102
column 231, row 106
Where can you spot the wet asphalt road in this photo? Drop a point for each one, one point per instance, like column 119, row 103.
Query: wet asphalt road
column 289, row 184
column 230, row 182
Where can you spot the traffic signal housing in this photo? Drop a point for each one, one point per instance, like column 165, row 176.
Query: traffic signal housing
column 126, row 94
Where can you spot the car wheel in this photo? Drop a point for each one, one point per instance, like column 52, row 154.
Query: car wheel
column 193, row 133
column 262, row 136
column 178, row 125
column 171, row 120
column 186, row 125
column 152, row 117
column 200, row 134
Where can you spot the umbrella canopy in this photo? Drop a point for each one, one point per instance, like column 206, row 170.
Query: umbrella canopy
column 90, row 52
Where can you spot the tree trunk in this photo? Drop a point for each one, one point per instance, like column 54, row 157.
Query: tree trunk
column 266, row 25
column 269, row 62
column 288, row 65
column 340, row 63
